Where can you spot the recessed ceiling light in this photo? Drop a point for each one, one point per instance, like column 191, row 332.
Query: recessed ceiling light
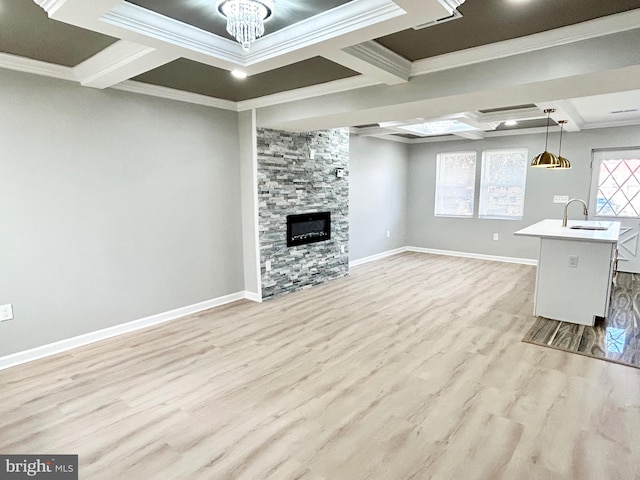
column 510, row 123
column 239, row 74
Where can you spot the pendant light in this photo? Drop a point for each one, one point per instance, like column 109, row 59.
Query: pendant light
column 546, row 159
column 564, row 163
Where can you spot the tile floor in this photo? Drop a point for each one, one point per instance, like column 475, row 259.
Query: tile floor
column 615, row 339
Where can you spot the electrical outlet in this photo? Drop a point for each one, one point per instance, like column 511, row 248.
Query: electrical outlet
column 341, row 248
column 267, row 265
column 6, row 312
column 388, row 233
column 560, row 198
column 496, row 236
column 573, row 261
column 312, row 154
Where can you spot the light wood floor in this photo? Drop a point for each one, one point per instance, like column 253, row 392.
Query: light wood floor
column 409, row 368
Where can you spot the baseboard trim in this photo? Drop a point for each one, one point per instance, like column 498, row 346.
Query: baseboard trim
column 253, row 296
column 67, row 344
column 477, row 256
column 377, row 256
column 450, row 253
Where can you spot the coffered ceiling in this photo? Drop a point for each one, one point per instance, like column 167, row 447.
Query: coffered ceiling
column 375, row 65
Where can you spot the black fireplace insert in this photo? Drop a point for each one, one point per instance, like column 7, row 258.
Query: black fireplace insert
column 308, row 228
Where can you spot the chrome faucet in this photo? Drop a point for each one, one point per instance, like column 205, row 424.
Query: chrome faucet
column 584, row 206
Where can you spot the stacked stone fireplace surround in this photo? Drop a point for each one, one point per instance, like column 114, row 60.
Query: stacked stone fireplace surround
column 291, row 182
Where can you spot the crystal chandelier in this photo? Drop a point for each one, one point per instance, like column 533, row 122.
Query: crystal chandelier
column 245, row 18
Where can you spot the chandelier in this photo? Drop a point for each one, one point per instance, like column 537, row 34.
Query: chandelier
column 245, row 18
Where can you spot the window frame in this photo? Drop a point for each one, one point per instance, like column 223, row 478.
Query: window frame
column 624, row 153
column 440, row 156
column 482, row 199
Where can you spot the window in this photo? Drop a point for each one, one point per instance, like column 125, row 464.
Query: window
column 502, row 183
column 455, row 184
column 618, row 183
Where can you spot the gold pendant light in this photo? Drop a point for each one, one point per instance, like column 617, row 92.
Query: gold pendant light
column 564, row 163
column 546, row 159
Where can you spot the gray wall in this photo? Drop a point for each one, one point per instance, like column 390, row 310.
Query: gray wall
column 113, row 207
column 475, row 235
column 377, row 195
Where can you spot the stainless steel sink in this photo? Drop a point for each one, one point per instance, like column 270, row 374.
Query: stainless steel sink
column 587, row 227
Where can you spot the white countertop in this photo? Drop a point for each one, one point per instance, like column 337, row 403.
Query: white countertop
column 552, row 228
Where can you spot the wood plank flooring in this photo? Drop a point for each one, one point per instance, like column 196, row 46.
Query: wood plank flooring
column 409, row 368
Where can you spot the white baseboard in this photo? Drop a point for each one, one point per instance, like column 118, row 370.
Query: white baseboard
column 253, row 296
column 377, row 256
column 451, row 253
column 91, row 337
column 477, row 256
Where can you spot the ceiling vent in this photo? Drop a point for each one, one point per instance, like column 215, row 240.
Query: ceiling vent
column 451, row 6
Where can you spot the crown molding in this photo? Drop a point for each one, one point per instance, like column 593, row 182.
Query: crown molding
column 49, row 5
column 561, row 36
column 221, row 52
column 28, row 65
column 141, row 88
column 336, row 86
column 145, row 22
column 118, row 62
column 375, row 60
column 340, row 27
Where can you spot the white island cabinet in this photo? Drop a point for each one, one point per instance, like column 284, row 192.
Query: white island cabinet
column 575, row 269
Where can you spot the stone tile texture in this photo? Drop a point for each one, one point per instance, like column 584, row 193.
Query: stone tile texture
column 290, row 182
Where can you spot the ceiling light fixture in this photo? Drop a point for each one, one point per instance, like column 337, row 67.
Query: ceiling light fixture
column 239, row 74
column 546, row 159
column 245, row 18
column 510, row 123
column 564, row 163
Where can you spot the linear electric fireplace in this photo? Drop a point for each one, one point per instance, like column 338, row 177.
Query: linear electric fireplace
column 308, row 228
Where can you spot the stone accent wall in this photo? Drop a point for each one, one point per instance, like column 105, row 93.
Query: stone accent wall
column 290, row 182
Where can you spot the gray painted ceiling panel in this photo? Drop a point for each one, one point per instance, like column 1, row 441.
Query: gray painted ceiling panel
column 490, row 21
column 195, row 77
column 27, row 31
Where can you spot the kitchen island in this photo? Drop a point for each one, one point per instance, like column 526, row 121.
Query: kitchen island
column 575, row 270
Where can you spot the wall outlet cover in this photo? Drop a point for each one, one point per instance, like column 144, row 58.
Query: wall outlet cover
column 560, row 198
column 573, row 261
column 6, row 312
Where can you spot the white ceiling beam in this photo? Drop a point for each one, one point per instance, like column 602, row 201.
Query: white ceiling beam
column 77, row 12
column 599, row 27
column 350, row 24
column 539, row 76
column 118, row 62
column 372, row 131
column 518, row 114
column 564, row 111
column 374, row 60
column 415, row 8
column 471, row 134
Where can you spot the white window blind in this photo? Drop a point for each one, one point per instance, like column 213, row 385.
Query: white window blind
column 502, row 183
column 455, row 184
